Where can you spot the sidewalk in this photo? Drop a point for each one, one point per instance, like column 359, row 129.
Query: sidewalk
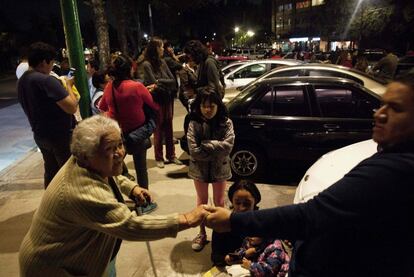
column 21, row 189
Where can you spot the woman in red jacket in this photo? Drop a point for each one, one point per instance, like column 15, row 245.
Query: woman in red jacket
column 124, row 101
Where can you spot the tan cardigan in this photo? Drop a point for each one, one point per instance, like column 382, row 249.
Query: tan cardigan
column 74, row 230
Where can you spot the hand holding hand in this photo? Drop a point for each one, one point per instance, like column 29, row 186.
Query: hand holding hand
column 193, row 218
column 218, row 219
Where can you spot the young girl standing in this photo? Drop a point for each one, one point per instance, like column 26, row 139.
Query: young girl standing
column 210, row 140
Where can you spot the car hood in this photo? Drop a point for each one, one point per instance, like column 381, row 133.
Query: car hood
column 331, row 167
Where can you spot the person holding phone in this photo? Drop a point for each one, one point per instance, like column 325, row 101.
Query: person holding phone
column 49, row 108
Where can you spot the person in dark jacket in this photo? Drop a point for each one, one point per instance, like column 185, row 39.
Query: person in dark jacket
column 208, row 69
column 161, row 83
column 363, row 224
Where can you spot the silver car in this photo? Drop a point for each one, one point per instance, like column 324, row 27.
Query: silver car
column 329, row 70
column 248, row 72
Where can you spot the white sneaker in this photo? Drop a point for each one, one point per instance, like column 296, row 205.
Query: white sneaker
column 160, row 164
column 199, row 242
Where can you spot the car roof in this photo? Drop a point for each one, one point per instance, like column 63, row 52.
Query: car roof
column 236, row 63
column 333, row 66
column 309, row 79
column 277, row 61
column 286, row 62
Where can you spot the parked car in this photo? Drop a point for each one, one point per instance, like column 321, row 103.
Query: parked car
column 226, row 60
column 373, row 56
column 232, row 66
column 297, row 119
column 374, row 84
column 315, row 69
column 250, row 53
column 331, row 167
column 249, row 72
column 405, row 65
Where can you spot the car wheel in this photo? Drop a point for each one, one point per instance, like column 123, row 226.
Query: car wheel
column 247, row 161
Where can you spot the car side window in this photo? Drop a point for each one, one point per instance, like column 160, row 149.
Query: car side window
column 275, row 65
column 286, row 73
column 340, row 102
column 290, row 101
column 251, row 71
column 262, row 106
column 317, row 72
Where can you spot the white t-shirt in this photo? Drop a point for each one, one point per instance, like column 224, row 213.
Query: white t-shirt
column 21, row 68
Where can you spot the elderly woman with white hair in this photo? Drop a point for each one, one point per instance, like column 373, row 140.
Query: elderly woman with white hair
column 82, row 218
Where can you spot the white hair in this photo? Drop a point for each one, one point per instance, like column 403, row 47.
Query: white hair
column 88, row 134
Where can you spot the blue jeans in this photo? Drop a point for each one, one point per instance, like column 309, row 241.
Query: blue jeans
column 55, row 152
column 139, row 155
column 112, row 268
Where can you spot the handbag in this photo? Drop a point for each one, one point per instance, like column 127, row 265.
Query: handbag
column 139, row 137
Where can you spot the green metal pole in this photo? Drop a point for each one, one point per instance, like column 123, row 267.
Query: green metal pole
column 75, row 49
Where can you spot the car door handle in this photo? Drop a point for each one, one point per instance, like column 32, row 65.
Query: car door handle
column 331, row 126
column 257, row 124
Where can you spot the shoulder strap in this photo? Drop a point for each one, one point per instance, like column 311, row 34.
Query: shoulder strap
column 118, row 197
column 114, row 100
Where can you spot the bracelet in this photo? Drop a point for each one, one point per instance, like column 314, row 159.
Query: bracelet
column 186, row 220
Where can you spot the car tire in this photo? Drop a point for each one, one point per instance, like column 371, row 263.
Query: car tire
column 247, row 162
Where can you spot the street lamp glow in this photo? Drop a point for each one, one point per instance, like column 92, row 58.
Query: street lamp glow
column 145, row 36
column 214, row 34
column 236, row 29
column 250, row 33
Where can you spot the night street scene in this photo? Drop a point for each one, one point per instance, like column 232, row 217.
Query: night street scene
column 206, row 138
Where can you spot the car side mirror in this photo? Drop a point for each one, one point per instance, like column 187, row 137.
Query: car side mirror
column 231, row 77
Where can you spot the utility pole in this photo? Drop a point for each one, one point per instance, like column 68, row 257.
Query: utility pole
column 150, row 19
column 74, row 46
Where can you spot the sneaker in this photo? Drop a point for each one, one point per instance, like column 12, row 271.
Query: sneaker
column 160, row 164
column 175, row 161
column 198, row 242
column 130, row 177
column 149, row 208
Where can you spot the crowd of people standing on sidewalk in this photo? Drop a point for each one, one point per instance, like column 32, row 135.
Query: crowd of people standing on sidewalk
column 83, row 217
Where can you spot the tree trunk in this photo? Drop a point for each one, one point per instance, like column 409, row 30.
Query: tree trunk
column 101, row 28
column 118, row 8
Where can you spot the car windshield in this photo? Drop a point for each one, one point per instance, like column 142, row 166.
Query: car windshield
column 242, row 95
column 231, row 68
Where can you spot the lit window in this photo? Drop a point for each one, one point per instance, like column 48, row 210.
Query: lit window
column 304, row 4
column 318, row 2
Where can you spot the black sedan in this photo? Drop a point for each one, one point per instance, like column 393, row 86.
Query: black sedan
column 277, row 120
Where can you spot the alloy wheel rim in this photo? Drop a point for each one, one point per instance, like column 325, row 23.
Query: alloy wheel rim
column 244, row 163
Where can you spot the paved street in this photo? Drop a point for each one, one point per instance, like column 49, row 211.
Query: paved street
column 21, row 190
column 16, row 138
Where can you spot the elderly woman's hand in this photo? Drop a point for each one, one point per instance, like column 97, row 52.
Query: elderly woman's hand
column 141, row 195
column 193, row 218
